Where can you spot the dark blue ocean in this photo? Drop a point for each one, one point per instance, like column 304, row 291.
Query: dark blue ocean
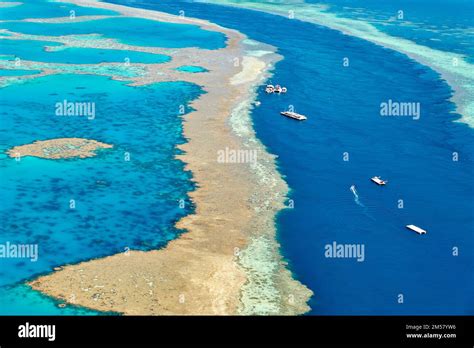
column 402, row 273
column 446, row 25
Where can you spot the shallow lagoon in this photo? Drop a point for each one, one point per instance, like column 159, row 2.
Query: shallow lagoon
column 128, row 197
column 132, row 31
column 21, row 300
column 192, row 69
column 34, row 50
column 120, row 203
column 18, row 72
column 48, row 9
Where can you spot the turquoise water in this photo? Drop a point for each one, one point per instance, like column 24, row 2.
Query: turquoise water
column 34, row 50
column 120, row 204
column 127, row 197
column 48, row 9
column 416, row 156
column 116, row 70
column 191, row 69
column 132, row 31
column 21, row 300
column 18, row 72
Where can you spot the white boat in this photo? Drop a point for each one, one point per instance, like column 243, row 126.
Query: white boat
column 275, row 89
column 378, row 180
column 416, row 229
column 270, row 89
column 293, row 115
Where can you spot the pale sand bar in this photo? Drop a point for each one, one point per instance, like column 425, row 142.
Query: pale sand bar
column 59, row 148
column 227, row 260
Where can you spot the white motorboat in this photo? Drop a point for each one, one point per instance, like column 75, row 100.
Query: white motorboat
column 293, row 115
column 416, row 229
column 379, row 181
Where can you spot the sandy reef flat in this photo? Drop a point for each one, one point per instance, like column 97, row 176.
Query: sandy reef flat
column 59, row 148
column 227, row 260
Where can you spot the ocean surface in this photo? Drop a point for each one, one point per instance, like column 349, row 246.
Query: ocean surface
column 134, row 204
column 33, row 50
column 446, row 25
column 120, row 203
column 130, row 31
column 402, row 272
column 126, row 198
column 41, row 9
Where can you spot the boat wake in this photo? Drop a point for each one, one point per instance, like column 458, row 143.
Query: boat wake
column 359, row 203
column 356, row 196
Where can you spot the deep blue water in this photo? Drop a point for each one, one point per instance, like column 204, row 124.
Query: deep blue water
column 342, row 104
column 445, row 25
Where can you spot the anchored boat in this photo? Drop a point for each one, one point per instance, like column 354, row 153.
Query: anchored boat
column 275, row 89
column 270, row 89
column 279, row 89
column 378, row 180
column 293, row 115
column 416, row 229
